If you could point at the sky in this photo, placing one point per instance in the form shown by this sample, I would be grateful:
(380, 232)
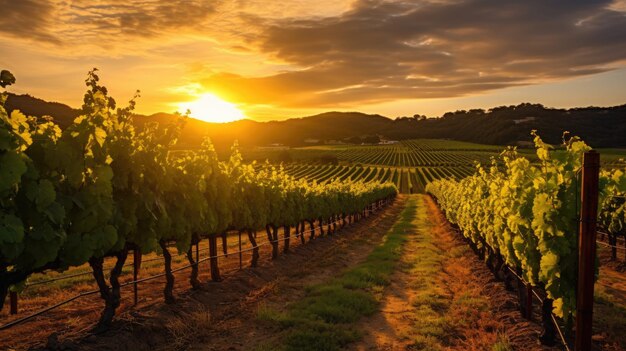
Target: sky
(281, 59)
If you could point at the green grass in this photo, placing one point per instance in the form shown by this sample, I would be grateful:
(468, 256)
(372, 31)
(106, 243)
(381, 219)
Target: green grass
(324, 147)
(445, 144)
(324, 318)
(431, 327)
(609, 315)
(502, 344)
(438, 316)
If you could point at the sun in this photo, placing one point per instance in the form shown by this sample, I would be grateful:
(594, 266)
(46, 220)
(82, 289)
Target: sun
(210, 108)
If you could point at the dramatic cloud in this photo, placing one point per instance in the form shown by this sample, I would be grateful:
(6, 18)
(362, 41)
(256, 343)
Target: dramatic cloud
(383, 50)
(306, 55)
(27, 19)
(103, 27)
(141, 18)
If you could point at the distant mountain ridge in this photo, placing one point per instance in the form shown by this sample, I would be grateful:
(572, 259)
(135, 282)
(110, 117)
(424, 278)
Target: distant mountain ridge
(32, 106)
(504, 125)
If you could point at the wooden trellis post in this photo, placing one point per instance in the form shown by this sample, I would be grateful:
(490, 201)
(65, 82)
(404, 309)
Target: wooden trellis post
(240, 254)
(136, 267)
(587, 250)
(215, 272)
(13, 302)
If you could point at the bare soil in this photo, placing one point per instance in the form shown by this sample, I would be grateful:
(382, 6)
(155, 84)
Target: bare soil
(220, 315)
(476, 309)
(223, 315)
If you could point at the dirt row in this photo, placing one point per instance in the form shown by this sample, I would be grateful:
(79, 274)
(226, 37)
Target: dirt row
(222, 315)
(453, 302)
(473, 309)
(151, 324)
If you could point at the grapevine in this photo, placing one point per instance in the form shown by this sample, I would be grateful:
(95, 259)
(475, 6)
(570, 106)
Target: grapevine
(102, 187)
(528, 213)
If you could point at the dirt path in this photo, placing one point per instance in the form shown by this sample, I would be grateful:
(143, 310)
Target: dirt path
(609, 310)
(222, 315)
(443, 297)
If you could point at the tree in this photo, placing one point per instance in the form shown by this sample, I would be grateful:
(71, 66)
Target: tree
(6, 78)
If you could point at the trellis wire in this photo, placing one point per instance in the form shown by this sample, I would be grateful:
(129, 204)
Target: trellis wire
(93, 292)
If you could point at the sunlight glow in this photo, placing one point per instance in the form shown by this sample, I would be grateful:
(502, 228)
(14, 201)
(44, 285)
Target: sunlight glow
(210, 108)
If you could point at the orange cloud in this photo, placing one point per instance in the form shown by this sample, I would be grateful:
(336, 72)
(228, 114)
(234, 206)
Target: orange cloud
(307, 55)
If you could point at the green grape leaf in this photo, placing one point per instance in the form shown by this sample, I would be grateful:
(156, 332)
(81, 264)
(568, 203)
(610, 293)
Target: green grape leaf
(11, 229)
(13, 167)
(100, 135)
(55, 212)
(46, 194)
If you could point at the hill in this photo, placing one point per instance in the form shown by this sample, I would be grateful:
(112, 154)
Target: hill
(293, 132)
(510, 125)
(32, 106)
(504, 125)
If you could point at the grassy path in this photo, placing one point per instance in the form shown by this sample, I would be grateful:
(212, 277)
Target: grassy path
(325, 318)
(420, 289)
(225, 315)
(400, 280)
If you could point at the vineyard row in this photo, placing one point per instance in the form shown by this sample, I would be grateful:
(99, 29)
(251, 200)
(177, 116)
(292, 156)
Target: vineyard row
(101, 188)
(526, 216)
(407, 180)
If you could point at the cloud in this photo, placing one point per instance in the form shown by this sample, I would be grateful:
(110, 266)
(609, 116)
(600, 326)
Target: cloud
(142, 18)
(319, 54)
(103, 27)
(27, 19)
(382, 50)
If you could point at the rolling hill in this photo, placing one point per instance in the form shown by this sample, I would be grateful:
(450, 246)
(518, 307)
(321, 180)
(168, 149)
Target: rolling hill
(504, 125)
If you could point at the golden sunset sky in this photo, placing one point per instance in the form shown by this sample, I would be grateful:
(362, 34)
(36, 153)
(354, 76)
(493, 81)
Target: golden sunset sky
(281, 59)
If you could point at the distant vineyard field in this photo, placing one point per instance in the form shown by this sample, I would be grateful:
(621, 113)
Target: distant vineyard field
(407, 180)
(409, 164)
(416, 153)
(408, 153)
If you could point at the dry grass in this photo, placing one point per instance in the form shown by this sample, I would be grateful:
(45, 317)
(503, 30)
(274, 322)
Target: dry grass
(72, 320)
(325, 318)
(232, 302)
(187, 328)
(444, 298)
